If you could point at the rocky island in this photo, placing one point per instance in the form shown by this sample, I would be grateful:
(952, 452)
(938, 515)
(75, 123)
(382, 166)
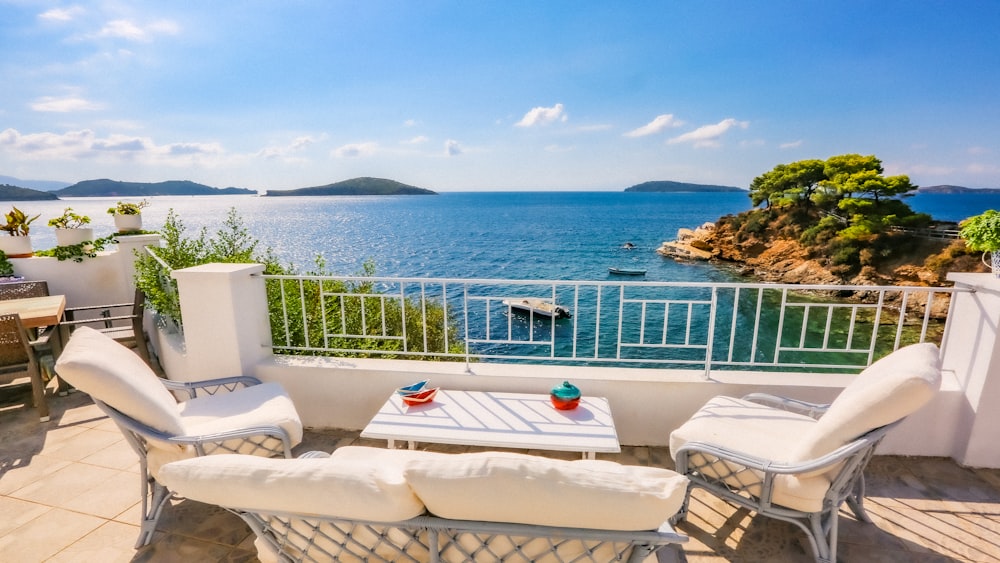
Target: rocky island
(810, 232)
(679, 187)
(355, 186)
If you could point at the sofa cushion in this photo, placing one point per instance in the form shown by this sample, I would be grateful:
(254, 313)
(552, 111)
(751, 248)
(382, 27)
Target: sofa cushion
(110, 372)
(511, 487)
(759, 431)
(346, 488)
(888, 390)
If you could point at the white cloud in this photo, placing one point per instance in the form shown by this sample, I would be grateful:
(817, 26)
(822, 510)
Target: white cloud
(708, 135)
(978, 150)
(660, 123)
(418, 140)
(410, 123)
(125, 29)
(542, 116)
(284, 152)
(558, 149)
(452, 148)
(86, 145)
(791, 145)
(61, 14)
(355, 150)
(63, 105)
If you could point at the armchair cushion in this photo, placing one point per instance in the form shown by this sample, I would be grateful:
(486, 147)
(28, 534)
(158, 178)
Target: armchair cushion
(759, 431)
(266, 403)
(101, 367)
(511, 487)
(888, 390)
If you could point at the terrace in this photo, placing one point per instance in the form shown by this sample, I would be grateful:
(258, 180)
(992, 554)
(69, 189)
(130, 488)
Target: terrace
(70, 484)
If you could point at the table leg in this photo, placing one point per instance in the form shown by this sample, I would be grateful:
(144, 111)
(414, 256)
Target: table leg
(392, 444)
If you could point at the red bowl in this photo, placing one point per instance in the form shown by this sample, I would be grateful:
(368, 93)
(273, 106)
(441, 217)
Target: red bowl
(564, 404)
(420, 398)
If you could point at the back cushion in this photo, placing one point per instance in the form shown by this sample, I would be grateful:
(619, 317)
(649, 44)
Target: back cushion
(889, 390)
(110, 372)
(346, 487)
(510, 487)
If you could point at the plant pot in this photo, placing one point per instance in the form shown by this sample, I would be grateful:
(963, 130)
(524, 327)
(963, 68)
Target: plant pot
(16, 247)
(128, 223)
(69, 237)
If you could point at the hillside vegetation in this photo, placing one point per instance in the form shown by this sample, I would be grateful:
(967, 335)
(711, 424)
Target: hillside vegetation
(356, 186)
(836, 221)
(671, 186)
(15, 193)
(114, 188)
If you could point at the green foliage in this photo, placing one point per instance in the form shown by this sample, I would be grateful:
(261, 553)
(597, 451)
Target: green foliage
(787, 184)
(6, 268)
(77, 252)
(317, 313)
(982, 232)
(128, 208)
(18, 224)
(69, 220)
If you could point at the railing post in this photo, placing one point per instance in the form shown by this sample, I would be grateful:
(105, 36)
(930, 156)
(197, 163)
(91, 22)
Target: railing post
(971, 349)
(226, 327)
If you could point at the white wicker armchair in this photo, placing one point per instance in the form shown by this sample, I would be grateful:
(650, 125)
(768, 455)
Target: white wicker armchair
(797, 461)
(229, 415)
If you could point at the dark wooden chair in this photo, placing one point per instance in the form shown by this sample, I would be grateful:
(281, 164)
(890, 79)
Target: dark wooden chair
(120, 321)
(18, 360)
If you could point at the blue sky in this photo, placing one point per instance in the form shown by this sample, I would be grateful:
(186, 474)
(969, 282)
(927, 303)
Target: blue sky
(478, 95)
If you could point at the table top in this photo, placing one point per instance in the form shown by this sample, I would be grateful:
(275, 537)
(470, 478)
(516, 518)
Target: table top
(505, 420)
(36, 311)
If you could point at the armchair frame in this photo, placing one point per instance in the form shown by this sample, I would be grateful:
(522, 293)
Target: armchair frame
(267, 439)
(848, 484)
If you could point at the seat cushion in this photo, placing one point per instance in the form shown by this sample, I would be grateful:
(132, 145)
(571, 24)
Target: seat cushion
(759, 431)
(511, 487)
(115, 375)
(888, 390)
(357, 488)
(264, 404)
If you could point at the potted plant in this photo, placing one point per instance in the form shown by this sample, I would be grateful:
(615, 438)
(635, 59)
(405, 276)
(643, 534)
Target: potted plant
(70, 228)
(982, 233)
(128, 215)
(18, 244)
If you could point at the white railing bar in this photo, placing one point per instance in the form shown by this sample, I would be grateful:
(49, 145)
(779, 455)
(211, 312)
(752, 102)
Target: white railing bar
(826, 329)
(732, 324)
(927, 315)
(850, 327)
(642, 323)
(576, 308)
(710, 343)
(423, 312)
(756, 324)
(878, 320)
(621, 318)
(666, 322)
(805, 324)
(781, 325)
(687, 329)
(902, 319)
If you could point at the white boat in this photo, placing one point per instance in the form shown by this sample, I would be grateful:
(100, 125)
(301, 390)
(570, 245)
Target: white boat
(626, 272)
(538, 307)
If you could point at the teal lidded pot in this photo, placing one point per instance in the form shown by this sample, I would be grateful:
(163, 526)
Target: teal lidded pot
(566, 396)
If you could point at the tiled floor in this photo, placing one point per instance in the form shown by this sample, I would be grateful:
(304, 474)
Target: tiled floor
(69, 492)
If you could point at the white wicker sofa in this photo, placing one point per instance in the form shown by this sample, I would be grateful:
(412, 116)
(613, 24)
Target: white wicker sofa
(372, 504)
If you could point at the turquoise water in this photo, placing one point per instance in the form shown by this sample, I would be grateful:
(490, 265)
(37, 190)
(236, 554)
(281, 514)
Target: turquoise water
(530, 235)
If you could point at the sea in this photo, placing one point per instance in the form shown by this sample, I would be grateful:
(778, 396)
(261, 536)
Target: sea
(468, 235)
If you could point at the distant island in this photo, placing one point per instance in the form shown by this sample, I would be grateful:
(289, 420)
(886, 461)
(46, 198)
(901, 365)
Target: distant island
(669, 186)
(946, 189)
(356, 186)
(113, 188)
(15, 193)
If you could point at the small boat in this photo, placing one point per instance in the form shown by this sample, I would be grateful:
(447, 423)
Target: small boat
(539, 307)
(626, 272)
(628, 246)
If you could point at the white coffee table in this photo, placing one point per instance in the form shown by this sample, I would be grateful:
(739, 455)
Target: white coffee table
(503, 420)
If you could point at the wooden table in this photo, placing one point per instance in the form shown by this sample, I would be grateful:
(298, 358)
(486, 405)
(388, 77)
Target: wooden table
(503, 420)
(36, 312)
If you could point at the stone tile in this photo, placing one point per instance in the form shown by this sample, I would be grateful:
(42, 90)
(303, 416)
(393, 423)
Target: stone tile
(44, 537)
(16, 513)
(112, 542)
(59, 487)
(108, 498)
(83, 444)
(17, 472)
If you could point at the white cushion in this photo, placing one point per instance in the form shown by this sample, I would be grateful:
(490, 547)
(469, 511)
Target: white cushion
(888, 390)
(759, 431)
(112, 373)
(511, 487)
(264, 404)
(346, 488)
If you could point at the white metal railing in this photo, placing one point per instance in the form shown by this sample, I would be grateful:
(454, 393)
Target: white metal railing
(641, 324)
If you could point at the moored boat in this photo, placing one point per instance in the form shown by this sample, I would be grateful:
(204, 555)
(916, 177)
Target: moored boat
(538, 307)
(626, 272)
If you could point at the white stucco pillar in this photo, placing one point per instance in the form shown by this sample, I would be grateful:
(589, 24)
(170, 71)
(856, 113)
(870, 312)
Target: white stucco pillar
(972, 351)
(128, 247)
(226, 330)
